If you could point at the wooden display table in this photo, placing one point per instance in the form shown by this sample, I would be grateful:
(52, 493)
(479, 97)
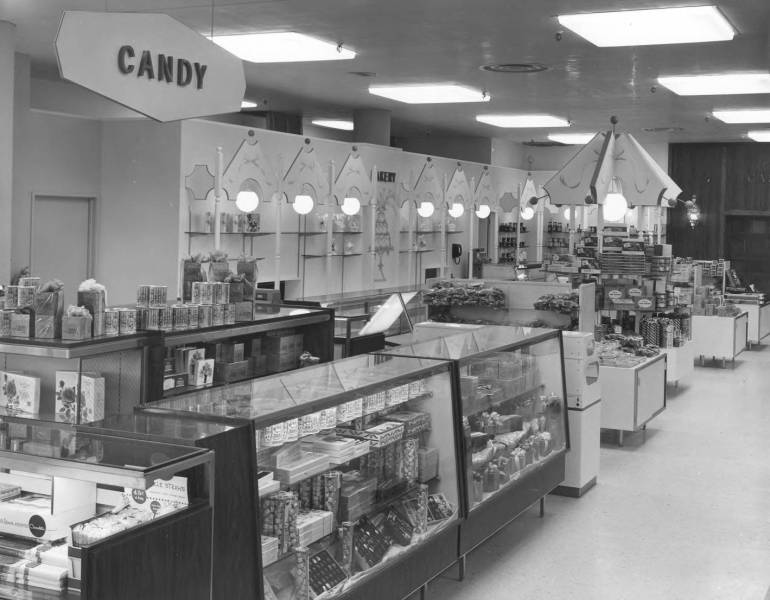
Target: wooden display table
(721, 338)
(681, 361)
(632, 396)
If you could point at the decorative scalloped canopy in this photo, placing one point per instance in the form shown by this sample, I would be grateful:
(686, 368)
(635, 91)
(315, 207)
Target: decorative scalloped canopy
(458, 189)
(486, 191)
(249, 164)
(306, 176)
(353, 175)
(428, 187)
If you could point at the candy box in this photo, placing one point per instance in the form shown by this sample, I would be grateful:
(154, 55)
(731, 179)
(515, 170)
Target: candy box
(111, 321)
(48, 328)
(91, 396)
(49, 303)
(19, 392)
(76, 328)
(5, 322)
(127, 321)
(244, 311)
(22, 325)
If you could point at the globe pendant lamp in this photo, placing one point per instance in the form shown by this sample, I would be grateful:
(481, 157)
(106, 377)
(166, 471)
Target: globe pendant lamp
(350, 206)
(425, 209)
(303, 204)
(615, 205)
(457, 210)
(483, 211)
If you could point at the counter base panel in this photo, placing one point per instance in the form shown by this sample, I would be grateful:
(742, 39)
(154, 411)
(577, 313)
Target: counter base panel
(573, 492)
(411, 572)
(488, 518)
(168, 561)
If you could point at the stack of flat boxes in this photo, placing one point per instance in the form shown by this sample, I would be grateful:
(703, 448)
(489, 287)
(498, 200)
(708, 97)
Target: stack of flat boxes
(282, 349)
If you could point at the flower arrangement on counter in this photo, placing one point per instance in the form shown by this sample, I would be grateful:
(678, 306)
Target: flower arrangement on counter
(451, 293)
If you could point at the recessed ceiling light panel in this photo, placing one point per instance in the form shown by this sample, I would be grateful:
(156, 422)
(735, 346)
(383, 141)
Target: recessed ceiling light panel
(760, 135)
(248, 104)
(718, 84)
(750, 115)
(523, 121)
(287, 46)
(681, 25)
(578, 139)
(440, 93)
(334, 124)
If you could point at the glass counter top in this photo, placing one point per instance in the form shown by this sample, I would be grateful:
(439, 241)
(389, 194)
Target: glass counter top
(307, 389)
(184, 429)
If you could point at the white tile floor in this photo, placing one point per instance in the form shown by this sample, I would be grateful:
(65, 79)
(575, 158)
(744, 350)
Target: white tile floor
(684, 514)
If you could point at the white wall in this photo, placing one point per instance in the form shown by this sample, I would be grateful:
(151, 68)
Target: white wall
(138, 215)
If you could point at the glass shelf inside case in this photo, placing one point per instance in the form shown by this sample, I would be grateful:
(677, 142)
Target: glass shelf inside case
(512, 398)
(357, 463)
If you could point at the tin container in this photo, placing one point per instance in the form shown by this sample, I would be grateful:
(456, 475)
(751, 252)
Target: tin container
(192, 315)
(229, 310)
(127, 318)
(158, 295)
(143, 295)
(165, 318)
(111, 321)
(218, 315)
(180, 317)
(205, 315)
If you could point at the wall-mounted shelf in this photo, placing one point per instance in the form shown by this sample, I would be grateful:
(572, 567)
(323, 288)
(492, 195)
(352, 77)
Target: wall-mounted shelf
(417, 251)
(332, 254)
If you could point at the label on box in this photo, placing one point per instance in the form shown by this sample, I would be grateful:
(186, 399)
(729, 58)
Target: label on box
(310, 424)
(164, 496)
(634, 292)
(614, 294)
(350, 410)
(645, 303)
(274, 435)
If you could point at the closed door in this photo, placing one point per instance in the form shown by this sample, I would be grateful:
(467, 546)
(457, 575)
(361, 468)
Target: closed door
(61, 241)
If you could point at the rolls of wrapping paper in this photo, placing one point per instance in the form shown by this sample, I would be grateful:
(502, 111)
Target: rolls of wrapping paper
(332, 482)
(302, 573)
(345, 558)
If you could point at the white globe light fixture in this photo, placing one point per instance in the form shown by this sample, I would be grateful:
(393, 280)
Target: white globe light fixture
(483, 211)
(527, 213)
(303, 204)
(351, 205)
(425, 209)
(566, 214)
(615, 204)
(457, 210)
(247, 201)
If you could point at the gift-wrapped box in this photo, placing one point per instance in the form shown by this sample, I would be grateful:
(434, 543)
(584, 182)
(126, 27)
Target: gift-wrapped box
(249, 269)
(244, 311)
(19, 296)
(93, 300)
(30, 281)
(22, 325)
(47, 327)
(49, 303)
(218, 270)
(191, 272)
(5, 322)
(76, 328)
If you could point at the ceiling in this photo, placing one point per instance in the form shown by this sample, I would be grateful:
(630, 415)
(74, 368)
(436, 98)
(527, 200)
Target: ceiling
(410, 41)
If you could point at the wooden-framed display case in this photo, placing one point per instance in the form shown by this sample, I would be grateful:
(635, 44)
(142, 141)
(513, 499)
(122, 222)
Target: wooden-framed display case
(124, 519)
(514, 417)
(360, 492)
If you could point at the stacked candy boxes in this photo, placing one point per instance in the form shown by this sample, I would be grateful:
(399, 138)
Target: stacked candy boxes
(210, 307)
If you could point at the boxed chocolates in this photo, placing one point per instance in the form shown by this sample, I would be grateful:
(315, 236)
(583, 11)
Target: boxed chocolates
(22, 325)
(91, 396)
(76, 327)
(244, 311)
(19, 392)
(228, 372)
(203, 372)
(230, 351)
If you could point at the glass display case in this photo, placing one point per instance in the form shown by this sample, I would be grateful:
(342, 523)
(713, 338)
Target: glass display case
(358, 473)
(514, 418)
(79, 511)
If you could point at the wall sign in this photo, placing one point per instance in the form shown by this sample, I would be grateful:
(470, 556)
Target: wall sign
(150, 63)
(386, 176)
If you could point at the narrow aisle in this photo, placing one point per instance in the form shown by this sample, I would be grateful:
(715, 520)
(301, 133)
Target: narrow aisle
(683, 515)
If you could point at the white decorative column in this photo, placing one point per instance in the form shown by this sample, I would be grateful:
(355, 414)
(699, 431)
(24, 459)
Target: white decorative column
(7, 70)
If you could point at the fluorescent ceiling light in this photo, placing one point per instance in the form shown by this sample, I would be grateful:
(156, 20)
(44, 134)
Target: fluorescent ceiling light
(718, 84)
(286, 46)
(522, 120)
(248, 104)
(680, 25)
(749, 115)
(579, 139)
(334, 124)
(430, 93)
(760, 135)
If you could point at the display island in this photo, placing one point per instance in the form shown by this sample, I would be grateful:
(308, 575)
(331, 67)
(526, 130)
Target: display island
(357, 468)
(514, 418)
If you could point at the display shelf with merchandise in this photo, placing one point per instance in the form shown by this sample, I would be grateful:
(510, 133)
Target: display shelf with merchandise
(236, 543)
(514, 416)
(360, 473)
(240, 351)
(98, 502)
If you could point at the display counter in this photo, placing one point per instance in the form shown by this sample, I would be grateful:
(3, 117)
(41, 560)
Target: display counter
(236, 543)
(513, 413)
(358, 473)
(120, 519)
(721, 338)
(632, 396)
(759, 321)
(680, 362)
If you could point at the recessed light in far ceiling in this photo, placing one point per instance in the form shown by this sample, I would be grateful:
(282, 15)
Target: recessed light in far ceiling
(514, 68)
(679, 25)
(578, 139)
(248, 104)
(342, 124)
(429, 93)
(759, 135)
(663, 129)
(718, 84)
(287, 46)
(523, 121)
(748, 115)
